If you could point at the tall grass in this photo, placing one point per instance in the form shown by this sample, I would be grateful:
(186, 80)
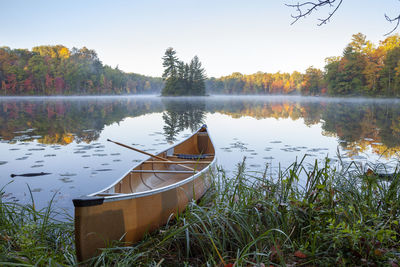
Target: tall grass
(326, 217)
(31, 237)
(337, 217)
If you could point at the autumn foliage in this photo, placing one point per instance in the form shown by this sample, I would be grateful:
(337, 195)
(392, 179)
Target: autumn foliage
(363, 69)
(56, 70)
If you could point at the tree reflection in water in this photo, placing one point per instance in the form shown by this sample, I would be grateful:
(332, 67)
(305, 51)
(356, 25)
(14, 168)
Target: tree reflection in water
(181, 114)
(61, 121)
(358, 125)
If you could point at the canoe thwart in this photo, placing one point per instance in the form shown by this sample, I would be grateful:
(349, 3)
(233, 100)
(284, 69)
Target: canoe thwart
(87, 201)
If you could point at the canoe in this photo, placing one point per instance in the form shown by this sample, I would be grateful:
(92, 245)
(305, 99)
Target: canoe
(146, 197)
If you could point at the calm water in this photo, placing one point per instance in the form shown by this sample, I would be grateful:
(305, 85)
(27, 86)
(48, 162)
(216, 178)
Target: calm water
(66, 137)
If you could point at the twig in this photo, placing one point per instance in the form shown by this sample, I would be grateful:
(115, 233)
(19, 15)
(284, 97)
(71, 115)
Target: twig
(306, 8)
(397, 19)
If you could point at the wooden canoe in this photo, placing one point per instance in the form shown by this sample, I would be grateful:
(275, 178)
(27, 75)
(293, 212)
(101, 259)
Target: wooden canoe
(146, 197)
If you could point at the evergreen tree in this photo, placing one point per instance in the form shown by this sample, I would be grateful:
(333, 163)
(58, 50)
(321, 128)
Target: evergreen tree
(198, 77)
(181, 82)
(170, 75)
(182, 78)
(170, 62)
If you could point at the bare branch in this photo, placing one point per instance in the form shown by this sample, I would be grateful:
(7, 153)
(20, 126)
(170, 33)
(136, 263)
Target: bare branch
(396, 19)
(306, 8)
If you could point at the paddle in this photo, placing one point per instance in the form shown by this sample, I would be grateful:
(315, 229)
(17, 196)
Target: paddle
(148, 154)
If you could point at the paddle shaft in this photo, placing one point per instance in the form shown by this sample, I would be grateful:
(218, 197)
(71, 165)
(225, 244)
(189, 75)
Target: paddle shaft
(148, 154)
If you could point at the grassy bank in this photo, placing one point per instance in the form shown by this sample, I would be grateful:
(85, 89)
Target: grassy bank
(339, 217)
(34, 237)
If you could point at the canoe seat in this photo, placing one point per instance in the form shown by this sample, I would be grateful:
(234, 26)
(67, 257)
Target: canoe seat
(194, 156)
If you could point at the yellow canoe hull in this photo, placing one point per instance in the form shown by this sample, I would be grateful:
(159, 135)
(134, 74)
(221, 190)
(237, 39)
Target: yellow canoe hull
(145, 198)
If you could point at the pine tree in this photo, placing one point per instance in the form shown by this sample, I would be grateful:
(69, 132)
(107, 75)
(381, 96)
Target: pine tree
(198, 77)
(170, 75)
(170, 63)
(182, 78)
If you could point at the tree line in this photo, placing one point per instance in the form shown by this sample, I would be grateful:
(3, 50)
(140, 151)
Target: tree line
(363, 69)
(182, 78)
(57, 70)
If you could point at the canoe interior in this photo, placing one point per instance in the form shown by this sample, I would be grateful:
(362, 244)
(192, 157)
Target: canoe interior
(111, 215)
(154, 173)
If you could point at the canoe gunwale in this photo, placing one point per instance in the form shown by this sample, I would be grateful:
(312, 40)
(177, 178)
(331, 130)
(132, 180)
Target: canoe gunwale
(156, 191)
(124, 196)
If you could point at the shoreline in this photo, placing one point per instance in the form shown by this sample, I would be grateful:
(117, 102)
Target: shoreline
(238, 96)
(337, 218)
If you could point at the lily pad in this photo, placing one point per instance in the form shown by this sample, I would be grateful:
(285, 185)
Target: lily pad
(37, 166)
(67, 174)
(36, 190)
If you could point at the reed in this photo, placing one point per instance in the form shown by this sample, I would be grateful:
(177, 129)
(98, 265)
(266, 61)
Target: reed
(306, 216)
(31, 237)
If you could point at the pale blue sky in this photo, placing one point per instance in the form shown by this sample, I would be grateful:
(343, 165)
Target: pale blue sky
(227, 35)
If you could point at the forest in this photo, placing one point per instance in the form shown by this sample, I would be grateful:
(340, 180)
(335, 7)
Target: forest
(363, 69)
(57, 70)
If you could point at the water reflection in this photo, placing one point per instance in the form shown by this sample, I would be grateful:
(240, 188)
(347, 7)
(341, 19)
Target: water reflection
(67, 137)
(181, 114)
(357, 124)
(61, 121)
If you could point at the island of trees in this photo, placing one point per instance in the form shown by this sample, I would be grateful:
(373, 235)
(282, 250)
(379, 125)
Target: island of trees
(182, 78)
(364, 69)
(56, 70)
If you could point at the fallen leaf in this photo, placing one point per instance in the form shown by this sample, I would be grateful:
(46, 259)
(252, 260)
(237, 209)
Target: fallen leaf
(300, 254)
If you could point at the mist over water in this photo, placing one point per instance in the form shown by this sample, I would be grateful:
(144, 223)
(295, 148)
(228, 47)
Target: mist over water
(66, 136)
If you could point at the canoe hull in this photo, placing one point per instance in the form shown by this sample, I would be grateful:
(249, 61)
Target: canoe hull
(129, 220)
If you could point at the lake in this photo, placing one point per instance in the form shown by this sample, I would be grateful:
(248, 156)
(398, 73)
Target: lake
(67, 136)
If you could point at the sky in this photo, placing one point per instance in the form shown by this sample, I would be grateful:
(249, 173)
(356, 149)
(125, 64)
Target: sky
(227, 35)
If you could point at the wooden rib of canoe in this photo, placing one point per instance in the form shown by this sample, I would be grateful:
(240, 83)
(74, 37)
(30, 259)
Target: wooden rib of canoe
(146, 197)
